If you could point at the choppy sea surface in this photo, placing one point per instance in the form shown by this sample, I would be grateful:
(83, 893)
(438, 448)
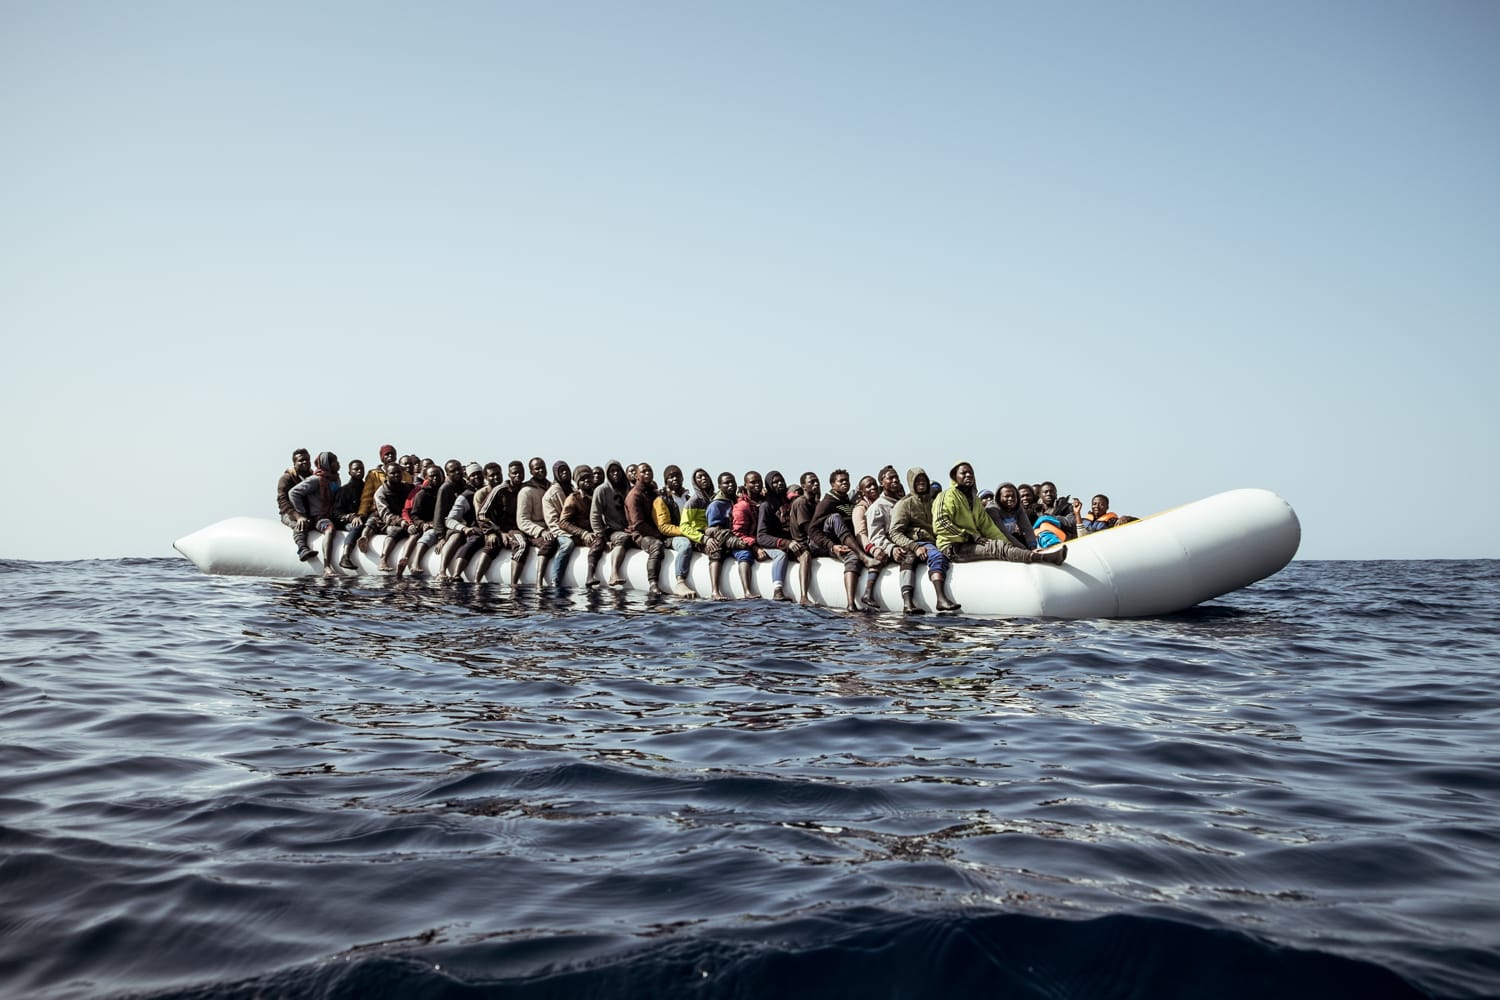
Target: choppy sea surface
(227, 787)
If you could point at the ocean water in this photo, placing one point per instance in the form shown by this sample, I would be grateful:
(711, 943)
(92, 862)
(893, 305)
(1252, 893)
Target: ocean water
(226, 787)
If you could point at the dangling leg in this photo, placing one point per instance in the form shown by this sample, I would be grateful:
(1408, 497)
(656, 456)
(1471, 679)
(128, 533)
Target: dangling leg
(653, 566)
(870, 581)
(615, 563)
(851, 584)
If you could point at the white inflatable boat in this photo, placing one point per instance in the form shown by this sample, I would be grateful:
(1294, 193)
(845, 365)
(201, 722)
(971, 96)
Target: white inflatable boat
(1159, 564)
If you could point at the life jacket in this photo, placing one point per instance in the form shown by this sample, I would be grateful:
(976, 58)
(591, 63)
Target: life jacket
(1049, 532)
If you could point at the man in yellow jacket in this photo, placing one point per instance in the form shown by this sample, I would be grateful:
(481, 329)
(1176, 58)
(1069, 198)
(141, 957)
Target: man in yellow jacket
(966, 533)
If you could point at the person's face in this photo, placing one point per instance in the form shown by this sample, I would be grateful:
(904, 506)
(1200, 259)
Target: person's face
(537, 468)
(1098, 506)
(891, 483)
(920, 483)
(333, 464)
(643, 473)
(754, 486)
(586, 480)
(1026, 496)
(964, 475)
(674, 480)
(776, 484)
(515, 472)
(302, 462)
(1009, 497)
(432, 474)
(1049, 494)
(357, 469)
(810, 484)
(702, 481)
(617, 477)
(476, 478)
(492, 477)
(409, 465)
(839, 483)
(868, 488)
(630, 473)
(565, 475)
(727, 484)
(387, 457)
(393, 470)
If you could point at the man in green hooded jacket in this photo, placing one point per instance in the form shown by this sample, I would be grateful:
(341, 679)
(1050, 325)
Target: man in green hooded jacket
(966, 532)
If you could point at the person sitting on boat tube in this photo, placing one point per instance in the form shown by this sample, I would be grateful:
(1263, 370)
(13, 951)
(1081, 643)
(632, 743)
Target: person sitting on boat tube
(372, 483)
(667, 511)
(831, 533)
(911, 529)
(421, 504)
(390, 500)
(966, 533)
(718, 534)
(878, 523)
(495, 503)
(312, 500)
(552, 504)
(774, 536)
(346, 511)
(573, 522)
(800, 511)
(435, 528)
(640, 521)
(1099, 517)
(1049, 504)
(299, 470)
(532, 520)
(464, 534)
(608, 517)
(1011, 516)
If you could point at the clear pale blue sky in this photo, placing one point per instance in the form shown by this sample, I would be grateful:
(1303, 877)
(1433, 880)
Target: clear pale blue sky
(1158, 250)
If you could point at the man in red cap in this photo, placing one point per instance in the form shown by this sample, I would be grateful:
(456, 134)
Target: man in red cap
(372, 483)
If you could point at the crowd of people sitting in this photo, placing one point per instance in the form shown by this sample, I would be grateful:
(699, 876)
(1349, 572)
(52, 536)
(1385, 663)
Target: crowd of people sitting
(469, 512)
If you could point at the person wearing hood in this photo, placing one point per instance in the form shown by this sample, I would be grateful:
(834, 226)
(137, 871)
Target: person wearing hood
(667, 510)
(495, 507)
(532, 520)
(911, 530)
(607, 517)
(385, 519)
(1011, 516)
(552, 504)
(312, 502)
(640, 521)
(573, 522)
(695, 509)
(965, 531)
